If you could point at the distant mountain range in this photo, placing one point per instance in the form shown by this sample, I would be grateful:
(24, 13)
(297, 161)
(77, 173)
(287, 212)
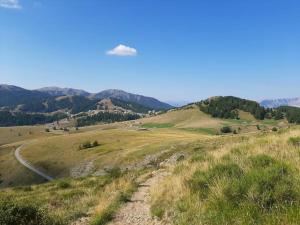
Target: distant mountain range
(57, 91)
(50, 99)
(274, 103)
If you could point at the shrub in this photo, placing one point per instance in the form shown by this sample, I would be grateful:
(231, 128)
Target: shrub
(95, 144)
(85, 145)
(274, 129)
(88, 144)
(12, 213)
(115, 172)
(226, 129)
(63, 184)
(47, 130)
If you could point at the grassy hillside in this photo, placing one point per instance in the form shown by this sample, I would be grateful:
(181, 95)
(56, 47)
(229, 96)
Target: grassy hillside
(64, 201)
(241, 180)
(192, 119)
(12, 173)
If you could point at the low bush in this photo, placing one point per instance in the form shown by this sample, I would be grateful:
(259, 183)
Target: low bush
(114, 172)
(88, 144)
(226, 129)
(12, 213)
(63, 184)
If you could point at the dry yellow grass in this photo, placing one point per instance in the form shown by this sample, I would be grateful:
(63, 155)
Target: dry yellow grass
(12, 173)
(190, 117)
(21, 133)
(173, 194)
(57, 155)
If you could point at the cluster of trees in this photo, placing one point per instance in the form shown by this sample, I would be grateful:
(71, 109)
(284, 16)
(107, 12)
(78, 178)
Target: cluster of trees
(8, 118)
(227, 107)
(135, 107)
(292, 114)
(74, 104)
(105, 117)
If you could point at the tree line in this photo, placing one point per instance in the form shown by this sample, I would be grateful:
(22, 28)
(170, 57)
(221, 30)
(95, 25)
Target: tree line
(105, 117)
(8, 118)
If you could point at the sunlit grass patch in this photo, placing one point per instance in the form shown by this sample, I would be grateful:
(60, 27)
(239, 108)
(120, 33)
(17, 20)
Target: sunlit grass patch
(157, 125)
(266, 192)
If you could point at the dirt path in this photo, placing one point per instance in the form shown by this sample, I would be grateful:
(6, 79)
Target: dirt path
(137, 210)
(30, 167)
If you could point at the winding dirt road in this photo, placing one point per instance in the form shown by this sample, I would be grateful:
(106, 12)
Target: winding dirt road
(30, 167)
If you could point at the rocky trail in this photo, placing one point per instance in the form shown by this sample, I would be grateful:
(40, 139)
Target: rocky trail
(137, 210)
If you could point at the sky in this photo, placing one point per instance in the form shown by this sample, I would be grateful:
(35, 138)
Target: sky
(174, 50)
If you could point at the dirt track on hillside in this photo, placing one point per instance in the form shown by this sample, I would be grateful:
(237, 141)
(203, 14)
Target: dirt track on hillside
(137, 210)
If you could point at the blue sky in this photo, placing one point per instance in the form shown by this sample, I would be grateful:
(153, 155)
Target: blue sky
(179, 50)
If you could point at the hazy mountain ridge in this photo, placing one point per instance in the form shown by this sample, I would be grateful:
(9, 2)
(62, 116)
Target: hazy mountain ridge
(110, 93)
(57, 91)
(274, 103)
(52, 99)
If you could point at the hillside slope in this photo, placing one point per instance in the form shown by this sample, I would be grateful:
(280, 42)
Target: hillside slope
(139, 99)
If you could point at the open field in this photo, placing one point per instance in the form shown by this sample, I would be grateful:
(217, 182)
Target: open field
(21, 133)
(58, 155)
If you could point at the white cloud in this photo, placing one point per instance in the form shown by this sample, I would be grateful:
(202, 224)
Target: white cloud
(122, 50)
(10, 4)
